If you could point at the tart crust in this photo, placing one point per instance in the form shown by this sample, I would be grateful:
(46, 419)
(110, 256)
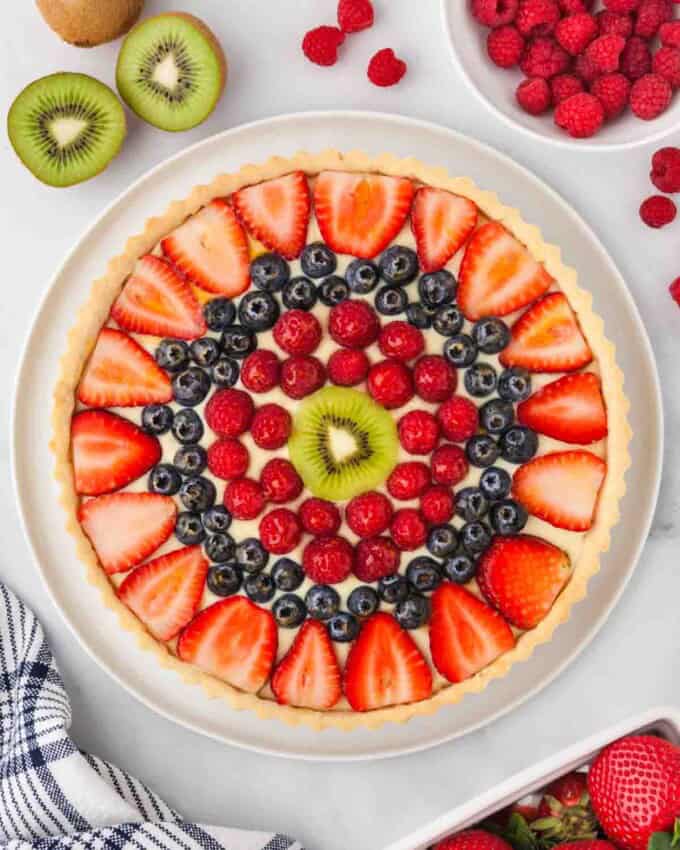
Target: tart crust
(94, 314)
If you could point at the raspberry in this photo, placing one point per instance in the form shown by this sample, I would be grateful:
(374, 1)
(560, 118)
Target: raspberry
(260, 371)
(563, 86)
(328, 560)
(348, 367)
(302, 375)
(458, 418)
(585, 69)
(390, 383)
(669, 33)
(244, 498)
(665, 173)
(544, 58)
(650, 96)
(229, 412)
(605, 52)
(369, 514)
(674, 290)
(581, 115)
(280, 481)
(494, 13)
(271, 427)
(408, 480)
(320, 45)
(611, 23)
(575, 32)
(319, 517)
(658, 211)
(435, 379)
(353, 324)
(612, 90)
(533, 95)
(636, 58)
(385, 69)
(376, 558)
(418, 432)
(297, 332)
(280, 531)
(505, 46)
(401, 341)
(228, 459)
(666, 63)
(449, 465)
(408, 528)
(537, 17)
(623, 7)
(437, 505)
(355, 15)
(650, 15)
(574, 7)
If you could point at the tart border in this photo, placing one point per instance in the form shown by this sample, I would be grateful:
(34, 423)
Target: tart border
(94, 313)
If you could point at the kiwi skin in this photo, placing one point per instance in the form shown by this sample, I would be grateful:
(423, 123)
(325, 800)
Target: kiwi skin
(88, 23)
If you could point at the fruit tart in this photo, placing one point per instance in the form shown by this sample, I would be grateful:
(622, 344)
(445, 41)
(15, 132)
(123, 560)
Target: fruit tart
(340, 438)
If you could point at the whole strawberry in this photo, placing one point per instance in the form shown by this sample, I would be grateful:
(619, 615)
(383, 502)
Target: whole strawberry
(565, 814)
(473, 839)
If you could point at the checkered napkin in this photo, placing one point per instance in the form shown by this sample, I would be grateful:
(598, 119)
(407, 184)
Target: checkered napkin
(53, 796)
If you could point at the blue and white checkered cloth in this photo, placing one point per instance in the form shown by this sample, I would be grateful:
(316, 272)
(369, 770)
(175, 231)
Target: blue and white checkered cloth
(53, 796)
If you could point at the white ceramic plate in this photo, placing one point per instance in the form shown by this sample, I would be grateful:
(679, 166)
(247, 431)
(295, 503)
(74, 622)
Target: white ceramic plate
(97, 628)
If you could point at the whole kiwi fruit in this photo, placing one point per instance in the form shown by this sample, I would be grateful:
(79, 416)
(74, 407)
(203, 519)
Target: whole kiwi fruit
(87, 23)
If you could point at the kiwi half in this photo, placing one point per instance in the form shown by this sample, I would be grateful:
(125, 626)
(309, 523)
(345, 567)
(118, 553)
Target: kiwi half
(342, 443)
(66, 128)
(171, 71)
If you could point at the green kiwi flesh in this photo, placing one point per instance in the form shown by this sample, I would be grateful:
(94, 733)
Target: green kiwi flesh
(342, 443)
(66, 128)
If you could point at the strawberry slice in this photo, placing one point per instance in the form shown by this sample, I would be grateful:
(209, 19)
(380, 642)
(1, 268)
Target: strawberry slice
(465, 634)
(498, 275)
(120, 373)
(360, 214)
(234, 640)
(385, 667)
(561, 488)
(156, 300)
(570, 409)
(441, 223)
(276, 212)
(126, 528)
(165, 593)
(211, 250)
(547, 338)
(309, 675)
(522, 576)
(109, 452)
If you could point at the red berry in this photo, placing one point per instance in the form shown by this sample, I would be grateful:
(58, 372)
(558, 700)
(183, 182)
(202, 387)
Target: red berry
(302, 375)
(623, 7)
(674, 290)
(611, 23)
(385, 69)
(408, 529)
(449, 465)
(229, 412)
(636, 58)
(390, 383)
(665, 173)
(355, 15)
(376, 558)
(534, 95)
(605, 52)
(271, 427)
(228, 459)
(575, 32)
(563, 86)
(657, 211)
(612, 90)
(319, 517)
(494, 13)
(408, 480)
(574, 7)
(418, 432)
(280, 481)
(585, 69)
(369, 514)
(651, 14)
(458, 418)
(320, 45)
(537, 17)
(328, 560)
(353, 324)
(348, 367)
(666, 63)
(650, 96)
(544, 58)
(581, 115)
(297, 332)
(401, 341)
(505, 46)
(260, 371)
(280, 531)
(244, 498)
(435, 379)
(669, 33)
(437, 505)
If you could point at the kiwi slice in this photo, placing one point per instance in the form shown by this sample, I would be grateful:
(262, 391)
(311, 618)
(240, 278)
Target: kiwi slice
(66, 128)
(342, 443)
(171, 71)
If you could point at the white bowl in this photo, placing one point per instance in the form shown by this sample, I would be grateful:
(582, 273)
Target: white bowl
(496, 88)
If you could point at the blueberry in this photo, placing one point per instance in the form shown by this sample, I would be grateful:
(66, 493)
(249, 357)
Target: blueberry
(482, 450)
(191, 386)
(287, 574)
(399, 265)
(189, 528)
(507, 517)
(205, 351)
(289, 611)
(197, 493)
(437, 289)
(412, 612)
(172, 355)
(442, 540)
(251, 555)
(475, 537)
(343, 627)
(157, 418)
(216, 520)
(514, 384)
(460, 350)
(496, 415)
(460, 568)
(219, 547)
(390, 300)
(219, 313)
(423, 573)
(419, 316)
(164, 479)
(259, 587)
(333, 290)
(471, 504)
(322, 601)
(480, 379)
(518, 444)
(495, 483)
(187, 427)
(448, 320)
(299, 294)
(393, 589)
(491, 335)
(363, 601)
(258, 311)
(238, 342)
(269, 272)
(224, 372)
(225, 579)
(317, 260)
(362, 276)
(191, 460)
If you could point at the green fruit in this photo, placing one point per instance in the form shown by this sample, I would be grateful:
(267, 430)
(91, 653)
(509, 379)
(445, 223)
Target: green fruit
(342, 443)
(171, 71)
(66, 128)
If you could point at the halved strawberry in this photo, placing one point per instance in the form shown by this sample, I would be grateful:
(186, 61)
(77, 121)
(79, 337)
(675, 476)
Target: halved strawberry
(569, 409)
(441, 222)
(465, 634)
(156, 300)
(165, 593)
(234, 640)
(360, 214)
(561, 488)
(309, 675)
(211, 250)
(109, 452)
(522, 576)
(126, 528)
(498, 275)
(276, 212)
(385, 667)
(547, 338)
(120, 373)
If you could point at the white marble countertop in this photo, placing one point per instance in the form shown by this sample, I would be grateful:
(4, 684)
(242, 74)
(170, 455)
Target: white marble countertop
(631, 665)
